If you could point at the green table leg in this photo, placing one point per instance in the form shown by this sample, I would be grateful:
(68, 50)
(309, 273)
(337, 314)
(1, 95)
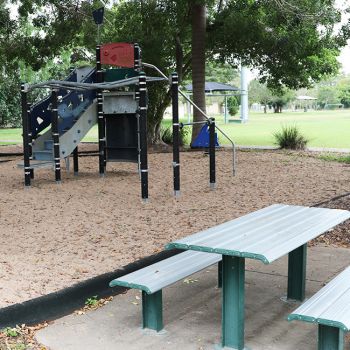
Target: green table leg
(233, 302)
(330, 338)
(152, 311)
(297, 273)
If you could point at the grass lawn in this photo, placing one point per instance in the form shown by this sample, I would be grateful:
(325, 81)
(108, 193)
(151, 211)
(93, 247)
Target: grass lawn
(323, 128)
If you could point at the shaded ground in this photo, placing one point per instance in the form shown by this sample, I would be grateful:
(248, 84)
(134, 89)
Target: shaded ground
(53, 236)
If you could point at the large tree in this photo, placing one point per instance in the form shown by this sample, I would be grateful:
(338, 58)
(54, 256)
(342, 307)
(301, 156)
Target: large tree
(199, 25)
(292, 44)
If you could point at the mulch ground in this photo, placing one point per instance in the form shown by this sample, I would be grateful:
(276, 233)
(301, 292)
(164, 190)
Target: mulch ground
(54, 236)
(340, 235)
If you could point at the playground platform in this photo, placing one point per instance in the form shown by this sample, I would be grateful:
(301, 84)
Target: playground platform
(192, 312)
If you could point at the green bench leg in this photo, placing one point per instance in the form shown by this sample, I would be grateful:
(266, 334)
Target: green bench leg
(220, 274)
(233, 302)
(152, 311)
(330, 338)
(297, 273)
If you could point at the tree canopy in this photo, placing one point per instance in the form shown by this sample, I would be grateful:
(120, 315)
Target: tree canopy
(292, 44)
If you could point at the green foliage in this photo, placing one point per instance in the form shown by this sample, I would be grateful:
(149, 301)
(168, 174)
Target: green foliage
(232, 105)
(290, 137)
(259, 93)
(293, 46)
(280, 98)
(10, 102)
(335, 158)
(93, 301)
(284, 43)
(221, 73)
(167, 135)
(277, 99)
(11, 332)
(344, 96)
(327, 95)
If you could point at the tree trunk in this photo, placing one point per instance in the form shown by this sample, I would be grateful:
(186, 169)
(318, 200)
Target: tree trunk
(198, 63)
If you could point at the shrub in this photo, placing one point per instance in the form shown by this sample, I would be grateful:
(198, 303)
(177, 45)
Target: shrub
(166, 135)
(232, 105)
(290, 137)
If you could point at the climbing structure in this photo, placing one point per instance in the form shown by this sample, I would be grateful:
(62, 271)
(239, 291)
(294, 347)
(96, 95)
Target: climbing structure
(114, 98)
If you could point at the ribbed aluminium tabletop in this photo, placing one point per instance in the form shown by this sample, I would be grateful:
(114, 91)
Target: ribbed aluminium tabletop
(266, 234)
(330, 306)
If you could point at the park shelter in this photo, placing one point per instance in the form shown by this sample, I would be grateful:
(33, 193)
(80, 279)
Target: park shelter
(217, 89)
(305, 102)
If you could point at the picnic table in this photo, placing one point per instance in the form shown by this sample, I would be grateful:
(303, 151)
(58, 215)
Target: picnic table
(265, 235)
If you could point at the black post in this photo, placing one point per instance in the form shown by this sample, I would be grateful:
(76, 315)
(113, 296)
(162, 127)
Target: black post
(143, 136)
(212, 181)
(55, 136)
(76, 161)
(25, 128)
(137, 57)
(176, 132)
(100, 116)
(30, 139)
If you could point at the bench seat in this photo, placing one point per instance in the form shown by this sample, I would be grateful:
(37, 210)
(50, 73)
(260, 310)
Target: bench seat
(152, 279)
(330, 309)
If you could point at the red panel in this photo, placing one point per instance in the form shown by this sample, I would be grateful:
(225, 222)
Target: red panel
(118, 54)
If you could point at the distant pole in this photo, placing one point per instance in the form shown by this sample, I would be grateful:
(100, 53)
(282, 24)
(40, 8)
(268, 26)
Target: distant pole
(244, 94)
(225, 111)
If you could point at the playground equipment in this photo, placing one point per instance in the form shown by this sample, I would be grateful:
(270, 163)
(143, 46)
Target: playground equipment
(89, 96)
(210, 122)
(115, 99)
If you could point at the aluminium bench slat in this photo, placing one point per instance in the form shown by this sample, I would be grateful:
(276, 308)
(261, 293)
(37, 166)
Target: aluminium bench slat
(330, 306)
(266, 234)
(166, 272)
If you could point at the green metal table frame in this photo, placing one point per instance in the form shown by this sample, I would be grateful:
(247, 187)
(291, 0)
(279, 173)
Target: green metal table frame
(152, 306)
(233, 293)
(330, 338)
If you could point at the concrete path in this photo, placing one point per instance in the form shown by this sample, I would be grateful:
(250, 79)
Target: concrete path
(192, 313)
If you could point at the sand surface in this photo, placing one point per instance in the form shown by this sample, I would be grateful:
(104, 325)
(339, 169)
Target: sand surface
(52, 236)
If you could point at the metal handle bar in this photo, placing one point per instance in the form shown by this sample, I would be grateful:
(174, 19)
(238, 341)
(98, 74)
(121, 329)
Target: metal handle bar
(200, 110)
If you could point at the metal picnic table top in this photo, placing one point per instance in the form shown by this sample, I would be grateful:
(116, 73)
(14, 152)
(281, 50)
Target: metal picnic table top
(266, 234)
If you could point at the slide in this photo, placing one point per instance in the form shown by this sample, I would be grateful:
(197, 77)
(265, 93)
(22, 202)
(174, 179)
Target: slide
(77, 115)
